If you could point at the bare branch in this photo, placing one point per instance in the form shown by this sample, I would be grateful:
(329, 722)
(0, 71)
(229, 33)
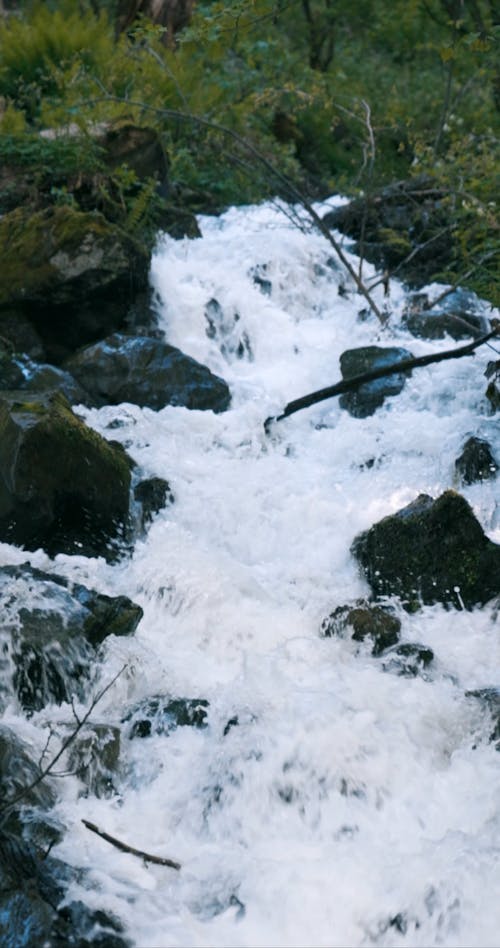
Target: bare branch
(48, 770)
(348, 385)
(125, 848)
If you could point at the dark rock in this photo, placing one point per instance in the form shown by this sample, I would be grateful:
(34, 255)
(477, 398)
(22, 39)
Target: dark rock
(18, 331)
(178, 222)
(153, 494)
(393, 221)
(79, 504)
(455, 316)
(364, 621)
(21, 374)
(18, 771)
(94, 758)
(430, 551)
(51, 630)
(408, 659)
(493, 390)
(489, 698)
(160, 715)
(476, 462)
(370, 396)
(146, 372)
(73, 274)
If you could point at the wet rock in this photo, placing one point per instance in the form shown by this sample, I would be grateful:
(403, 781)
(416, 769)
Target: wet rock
(223, 327)
(94, 758)
(430, 551)
(146, 372)
(364, 621)
(51, 629)
(408, 659)
(457, 316)
(493, 389)
(72, 274)
(79, 504)
(22, 374)
(476, 462)
(161, 715)
(370, 396)
(178, 222)
(393, 221)
(18, 771)
(153, 494)
(20, 334)
(489, 698)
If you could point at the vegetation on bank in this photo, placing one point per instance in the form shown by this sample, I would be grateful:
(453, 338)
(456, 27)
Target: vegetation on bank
(336, 96)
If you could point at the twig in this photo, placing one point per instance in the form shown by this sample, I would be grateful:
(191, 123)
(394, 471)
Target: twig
(8, 804)
(125, 848)
(347, 385)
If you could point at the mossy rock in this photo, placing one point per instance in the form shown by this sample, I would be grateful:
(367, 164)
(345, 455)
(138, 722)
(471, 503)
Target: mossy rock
(72, 274)
(364, 620)
(431, 551)
(62, 486)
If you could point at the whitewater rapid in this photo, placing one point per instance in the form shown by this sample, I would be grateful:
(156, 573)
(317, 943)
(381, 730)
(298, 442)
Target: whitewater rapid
(328, 802)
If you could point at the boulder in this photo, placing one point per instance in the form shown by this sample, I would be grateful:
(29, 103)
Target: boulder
(153, 494)
(391, 222)
(458, 315)
(431, 551)
(51, 630)
(162, 715)
(476, 462)
(62, 486)
(370, 396)
(361, 621)
(147, 372)
(72, 274)
(21, 373)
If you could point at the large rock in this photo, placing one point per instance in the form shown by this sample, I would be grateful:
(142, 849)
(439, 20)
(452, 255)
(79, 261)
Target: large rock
(370, 396)
(62, 486)
(146, 372)
(458, 315)
(391, 222)
(431, 551)
(51, 629)
(72, 274)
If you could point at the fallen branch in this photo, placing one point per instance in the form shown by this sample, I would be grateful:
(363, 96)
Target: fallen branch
(125, 848)
(348, 385)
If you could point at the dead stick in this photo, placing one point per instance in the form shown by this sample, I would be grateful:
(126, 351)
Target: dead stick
(348, 385)
(125, 848)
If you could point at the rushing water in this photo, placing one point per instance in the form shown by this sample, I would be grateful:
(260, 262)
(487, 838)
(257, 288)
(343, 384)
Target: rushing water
(328, 802)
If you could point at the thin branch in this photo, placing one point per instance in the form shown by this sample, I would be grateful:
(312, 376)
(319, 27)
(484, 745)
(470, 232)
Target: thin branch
(285, 182)
(487, 256)
(8, 804)
(125, 848)
(348, 385)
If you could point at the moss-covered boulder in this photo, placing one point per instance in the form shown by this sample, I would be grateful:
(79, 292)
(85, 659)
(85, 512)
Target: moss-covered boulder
(50, 631)
(431, 551)
(62, 486)
(364, 621)
(147, 372)
(72, 274)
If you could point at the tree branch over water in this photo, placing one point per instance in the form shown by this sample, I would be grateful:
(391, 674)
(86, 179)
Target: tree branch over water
(349, 385)
(125, 848)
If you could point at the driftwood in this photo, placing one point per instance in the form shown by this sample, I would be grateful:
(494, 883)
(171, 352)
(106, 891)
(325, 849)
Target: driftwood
(349, 385)
(125, 848)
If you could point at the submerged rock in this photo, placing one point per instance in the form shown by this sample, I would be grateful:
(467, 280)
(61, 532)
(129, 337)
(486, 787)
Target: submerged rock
(408, 659)
(146, 372)
(62, 486)
(476, 462)
(160, 715)
(94, 758)
(51, 630)
(493, 389)
(370, 396)
(363, 620)
(489, 699)
(431, 551)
